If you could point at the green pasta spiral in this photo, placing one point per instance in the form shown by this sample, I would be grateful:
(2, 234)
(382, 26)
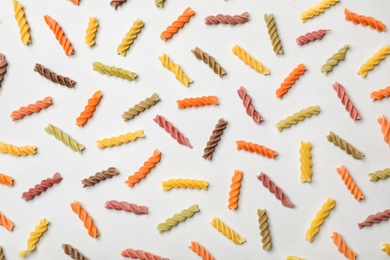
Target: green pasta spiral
(177, 218)
(335, 59)
(64, 138)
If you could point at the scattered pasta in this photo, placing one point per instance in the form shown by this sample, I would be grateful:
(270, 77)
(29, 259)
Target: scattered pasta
(375, 219)
(349, 106)
(176, 25)
(114, 71)
(17, 150)
(344, 145)
(31, 108)
(235, 188)
(364, 20)
(53, 77)
(378, 175)
(227, 19)
(249, 60)
(177, 218)
(227, 231)
(6, 223)
(386, 248)
(139, 254)
(41, 187)
(249, 107)
(125, 206)
(350, 183)
(256, 148)
(273, 188)
(64, 138)
(374, 60)
(290, 80)
(20, 17)
(319, 219)
(380, 94)
(99, 176)
(120, 139)
(140, 107)
(264, 229)
(6, 180)
(298, 116)
(86, 218)
(306, 163)
(59, 34)
(116, 3)
(159, 3)
(311, 36)
(128, 40)
(90, 33)
(200, 251)
(385, 127)
(342, 247)
(169, 128)
(93, 102)
(3, 67)
(200, 55)
(214, 139)
(184, 184)
(273, 33)
(317, 9)
(197, 102)
(335, 59)
(73, 252)
(179, 74)
(32, 241)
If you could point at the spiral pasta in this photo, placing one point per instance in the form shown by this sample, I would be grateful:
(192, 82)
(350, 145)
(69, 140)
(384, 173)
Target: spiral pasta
(140, 107)
(200, 55)
(249, 60)
(159, 3)
(235, 190)
(99, 176)
(176, 25)
(350, 183)
(342, 247)
(177, 218)
(385, 127)
(197, 102)
(17, 150)
(319, 219)
(73, 252)
(172, 130)
(114, 71)
(364, 20)
(76, 2)
(184, 184)
(6, 223)
(145, 169)
(227, 19)
(53, 77)
(291, 257)
(256, 148)
(379, 174)
(20, 17)
(31, 108)
(3, 67)
(6, 180)
(41, 187)
(60, 36)
(317, 9)
(311, 37)
(296, 117)
(349, 106)
(374, 60)
(140, 254)
(179, 74)
(273, 33)
(214, 139)
(290, 80)
(120, 139)
(90, 33)
(116, 3)
(2, 257)
(375, 219)
(64, 138)
(32, 241)
(334, 60)
(344, 145)
(306, 163)
(200, 251)
(264, 229)
(386, 248)
(82, 119)
(380, 94)
(249, 107)
(273, 188)
(227, 231)
(125, 206)
(86, 218)
(128, 40)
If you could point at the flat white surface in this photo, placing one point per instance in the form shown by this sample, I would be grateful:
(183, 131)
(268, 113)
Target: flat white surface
(120, 230)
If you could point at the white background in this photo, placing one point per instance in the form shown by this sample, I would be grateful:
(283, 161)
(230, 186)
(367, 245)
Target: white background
(120, 230)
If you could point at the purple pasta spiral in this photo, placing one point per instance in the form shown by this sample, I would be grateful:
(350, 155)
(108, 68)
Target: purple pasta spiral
(311, 36)
(250, 109)
(375, 219)
(279, 194)
(169, 128)
(43, 186)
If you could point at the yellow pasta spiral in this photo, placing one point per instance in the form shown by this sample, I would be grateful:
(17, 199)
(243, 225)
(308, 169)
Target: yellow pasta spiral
(386, 248)
(306, 163)
(184, 184)
(121, 139)
(374, 60)
(34, 237)
(249, 60)
(299, 116)
(17, 151)
(114, 71)
(317, 9)
(130, 37)
(20, 17)
(319, 219)
(90, 33)
(227, 231)
(179, 74)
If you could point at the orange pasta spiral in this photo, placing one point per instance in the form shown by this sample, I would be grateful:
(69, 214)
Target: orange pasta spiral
(200, 251)
(31, 108)
(89, 109)
(290, 80)
(83, 215)
(380, 94)
(176, 25)
(60, 36)
(5, 222)
(342, 247)
(235, 190)
(385, 127)
(197, 102)
(364, 20)
(255, 148)
(350, 183)
(6, 180)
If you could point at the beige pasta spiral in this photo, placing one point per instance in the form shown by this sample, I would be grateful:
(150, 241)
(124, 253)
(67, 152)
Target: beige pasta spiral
(299, 116)
(273, 33)
(264, 229)
(114, 71)
(344, 145)
(140, 107)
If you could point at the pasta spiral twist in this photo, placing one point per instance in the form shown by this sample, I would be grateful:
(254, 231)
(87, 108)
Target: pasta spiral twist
(64, 138)
(273, 188)
(41, 187)
(200, 55)
(306, 163)
(350, 183)
(197, 102)
(3, 67)
(179, 74)
(53, 77)
(299, 116)
(227, 19)
(6, 180)
(82, 119)
(145, 169)
(159, 3)
(2, 257)
(319, 219)
(386, 248)
(385, 127)
(249, 107)
(311, 37)
(31, 108)
(317, 9)
(172, 130)
(125, 206)
(249, 60)
(380, 174)
(100, 176)
(177, 218)
(214, 139)
(116, 3)
(227, 231)
(342, 247)
(364, 20)
(60, 36)
(134, 30)
(334, 60)
(290, 80)
(255, 148)
(264, 229)
(86, 218)
(273, 33)
(114, 71)
(349, 106)
(119, 140)
(140, 107)
(6, 223)
(374, 60)
(176, 25)
(20, 17)
(90, 33)
(291, 257)
(375, 218)
(32, 241)
(17, 150)
(73, 252)
(235, 190)
(139, 254)
(380, 94)
(184, 184)
(344, 145)
(201, 251)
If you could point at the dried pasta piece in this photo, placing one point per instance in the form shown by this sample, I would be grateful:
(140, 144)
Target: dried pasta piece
(273, 188)
(32, 241)
(379, 174)
(176, 25)
(140, 254)
(86, 218)
(349, 106)
(319, 219)
(125, 206)
(31, 108)
(145, 169)
(175, 68)
(159, 3)
(89, 109)
(169, 128)
(227, 19)
(73, 252)
(100, 176)
(227, 231)
(2, 257)
(386, 248)
(380, 94)
(41, 187)
(291, 257)
(385, 127)
(299, 116)
(364, 20)
(128, 40)
(76, 2)
(273, 33)
(120, 139)
(3, 67)
(140, 107)
(350, 183)
(374, 60)
(375, 219)
(264, 229)
(290, 80)
(249, 60)
(334, 60)
(311, 36)
(17, 150)
(249, 107)
(6, 223)
(59, 34)
(200, 251)
(64, 138)
(235, 188)
(20, 17)
(306, 163)
(114, 71)
(116, 3)
(200, 55)
(342, 247)
(6, 180)
(344, 145)
(90, 32)
(184, 184)
(177, 218)
(214, 139)
(256, 148)
(53, 77)
(317, 9)
(197, 102)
